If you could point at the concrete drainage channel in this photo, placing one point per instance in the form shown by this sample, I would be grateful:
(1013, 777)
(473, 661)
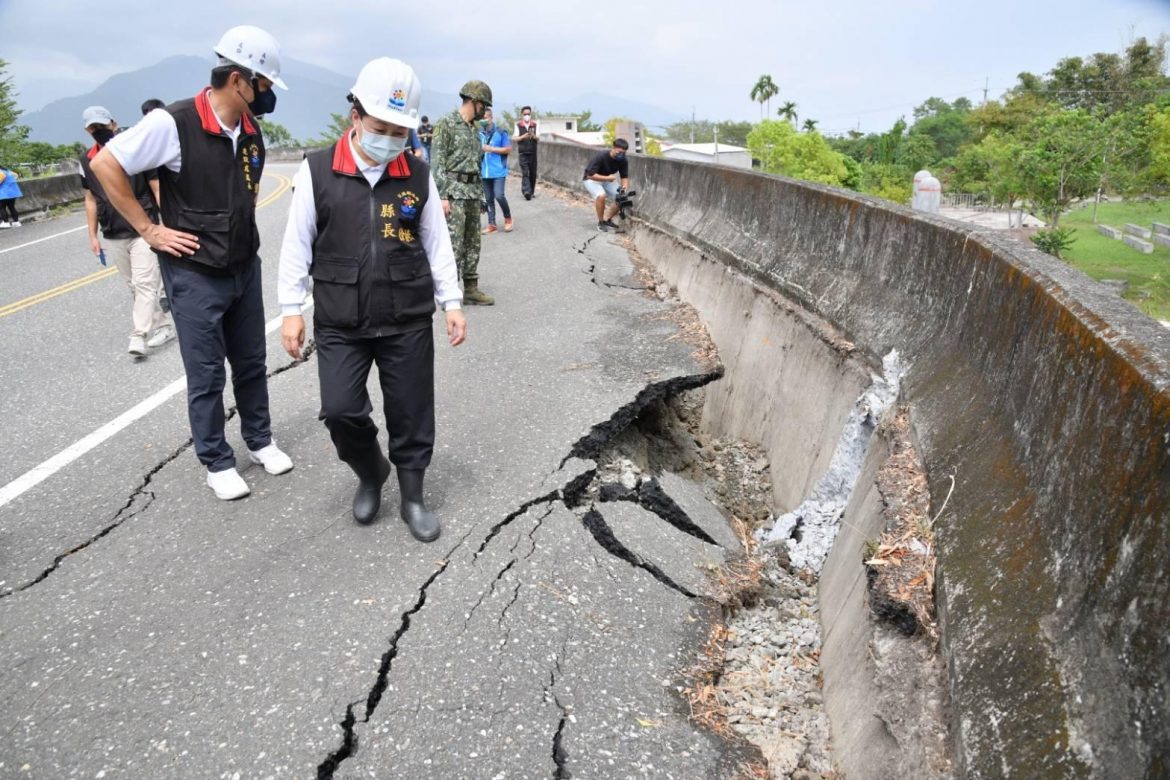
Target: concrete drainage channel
(800, 667)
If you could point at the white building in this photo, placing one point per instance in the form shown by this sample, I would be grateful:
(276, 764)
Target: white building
(555, 124)
(717, 154)
(580, 139)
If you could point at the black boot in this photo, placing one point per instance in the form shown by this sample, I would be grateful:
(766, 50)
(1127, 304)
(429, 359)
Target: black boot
(421, 521)
(372, 474)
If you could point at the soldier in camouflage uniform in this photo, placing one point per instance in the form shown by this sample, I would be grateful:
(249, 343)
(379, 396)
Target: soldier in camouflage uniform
(455, 155)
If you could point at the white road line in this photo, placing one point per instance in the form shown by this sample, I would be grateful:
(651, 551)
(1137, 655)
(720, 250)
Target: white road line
(39, 474)
(39, 240)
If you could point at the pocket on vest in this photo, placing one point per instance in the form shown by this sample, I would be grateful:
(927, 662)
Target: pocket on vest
(213, 229)
(413, 290)
(335, 291)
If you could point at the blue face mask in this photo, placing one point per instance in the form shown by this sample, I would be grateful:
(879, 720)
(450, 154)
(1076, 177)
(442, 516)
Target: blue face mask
(382, 148)
(620, 156)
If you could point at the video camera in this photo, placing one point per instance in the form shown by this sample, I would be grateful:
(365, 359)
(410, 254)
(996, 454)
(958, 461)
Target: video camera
(624, 201)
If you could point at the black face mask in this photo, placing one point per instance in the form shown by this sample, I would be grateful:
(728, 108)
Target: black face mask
(264, 102)
(102, 135)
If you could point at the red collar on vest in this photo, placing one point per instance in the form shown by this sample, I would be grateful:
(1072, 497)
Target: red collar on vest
(93, 152)
(343, 161)
(207, 116)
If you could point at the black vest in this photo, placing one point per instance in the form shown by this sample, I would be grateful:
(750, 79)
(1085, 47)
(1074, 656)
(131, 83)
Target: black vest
(527, 147)
(214, 193)
(370, 272)
(111, 221)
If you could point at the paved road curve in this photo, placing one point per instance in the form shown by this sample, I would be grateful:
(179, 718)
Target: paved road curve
(149, 630)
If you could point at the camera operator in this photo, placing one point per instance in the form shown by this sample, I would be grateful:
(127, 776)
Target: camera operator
(601, 179)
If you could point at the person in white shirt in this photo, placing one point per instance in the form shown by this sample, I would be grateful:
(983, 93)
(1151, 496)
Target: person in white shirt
(209, 154)
(366, 226)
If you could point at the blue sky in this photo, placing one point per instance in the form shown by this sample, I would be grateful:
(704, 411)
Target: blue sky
(846, 63)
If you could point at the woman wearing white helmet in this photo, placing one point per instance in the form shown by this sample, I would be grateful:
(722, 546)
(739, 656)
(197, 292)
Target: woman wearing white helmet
(366, 225)
(209, 153)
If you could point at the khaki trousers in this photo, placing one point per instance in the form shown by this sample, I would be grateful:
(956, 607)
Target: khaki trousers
(138, 265)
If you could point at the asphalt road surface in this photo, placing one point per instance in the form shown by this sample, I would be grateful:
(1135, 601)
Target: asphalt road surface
(149, 630)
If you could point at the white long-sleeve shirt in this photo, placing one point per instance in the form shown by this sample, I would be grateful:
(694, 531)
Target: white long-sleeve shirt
(296, 252)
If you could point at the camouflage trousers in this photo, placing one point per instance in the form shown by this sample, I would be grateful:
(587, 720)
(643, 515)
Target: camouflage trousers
(465, 239)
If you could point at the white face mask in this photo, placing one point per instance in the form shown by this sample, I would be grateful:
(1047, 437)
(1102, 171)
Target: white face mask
(382, 148)
(527, 117)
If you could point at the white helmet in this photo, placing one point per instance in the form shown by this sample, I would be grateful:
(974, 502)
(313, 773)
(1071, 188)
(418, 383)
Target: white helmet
(254, 49)
(389, 90)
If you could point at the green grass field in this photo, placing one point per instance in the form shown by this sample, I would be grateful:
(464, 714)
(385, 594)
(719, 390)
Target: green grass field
(1106, 258)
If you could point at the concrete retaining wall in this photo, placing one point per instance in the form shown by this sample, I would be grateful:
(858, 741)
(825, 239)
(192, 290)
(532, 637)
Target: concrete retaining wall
(1110, 232)
(1138, 244)
(1046, 398)
(1137, 230)
(48, 192)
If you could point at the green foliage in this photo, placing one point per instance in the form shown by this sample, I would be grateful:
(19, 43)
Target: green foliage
(888, 181)
(12, 135)
(853, 173)
(780, 149)
(277, 136)
(585, 123)
(703, 132)
(1060, 160)
(1054, 241)
(787, 112)
(339, 125)
(809, 126)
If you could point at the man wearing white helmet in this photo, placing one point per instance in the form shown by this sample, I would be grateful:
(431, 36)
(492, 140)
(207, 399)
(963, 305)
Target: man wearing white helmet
(366, 226)
(209, 153)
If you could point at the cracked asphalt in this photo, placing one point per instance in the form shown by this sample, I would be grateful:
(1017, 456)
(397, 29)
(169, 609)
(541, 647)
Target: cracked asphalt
(150, 630)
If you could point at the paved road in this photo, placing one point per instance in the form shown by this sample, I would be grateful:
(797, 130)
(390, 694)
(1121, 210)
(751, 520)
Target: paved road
(149, 630)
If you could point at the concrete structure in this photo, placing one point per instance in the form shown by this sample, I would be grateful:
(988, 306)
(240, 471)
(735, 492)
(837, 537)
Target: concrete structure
(1161, 239)
(1160, 229)
(555, 123)
(928, 196)
(1137, 230)
(716, 154)
(1142, 246)
(590, 139)
(48, 192)
(1110, 232)
(634, 133)
(1040, 403)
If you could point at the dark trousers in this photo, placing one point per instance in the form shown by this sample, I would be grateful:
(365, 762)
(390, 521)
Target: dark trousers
(406, 371)
(8, 210)
(218, 317)
(528, 174)
(493, 190)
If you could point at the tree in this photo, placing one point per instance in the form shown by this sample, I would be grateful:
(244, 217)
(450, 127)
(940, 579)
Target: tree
(1060, 161)
(12, 135)
(946, 124)
(810, 125)
(780, 149)
(787, 112)
(339, 125)
(763, 92)
(585, 123)
(277, 136)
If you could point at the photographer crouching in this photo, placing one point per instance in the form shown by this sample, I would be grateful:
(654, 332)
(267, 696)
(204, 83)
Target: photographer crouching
(601, 179)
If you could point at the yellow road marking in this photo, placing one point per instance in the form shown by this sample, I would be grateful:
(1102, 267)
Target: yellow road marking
(284, 184)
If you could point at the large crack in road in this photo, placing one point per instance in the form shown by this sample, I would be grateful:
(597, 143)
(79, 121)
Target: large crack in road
(141, 494)
(572, 495)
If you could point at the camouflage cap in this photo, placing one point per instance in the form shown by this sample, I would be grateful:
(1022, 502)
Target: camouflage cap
(477, 90)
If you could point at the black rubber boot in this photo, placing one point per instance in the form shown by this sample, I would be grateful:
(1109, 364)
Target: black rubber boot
(421, 521)
(372, 475)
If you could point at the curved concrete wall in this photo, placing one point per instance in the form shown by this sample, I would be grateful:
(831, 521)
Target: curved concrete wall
(50, 191)
(1048, 401)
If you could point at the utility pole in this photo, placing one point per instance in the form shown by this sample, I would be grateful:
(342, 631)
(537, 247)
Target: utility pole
(692, 125)
(985, 80)
(716, 128)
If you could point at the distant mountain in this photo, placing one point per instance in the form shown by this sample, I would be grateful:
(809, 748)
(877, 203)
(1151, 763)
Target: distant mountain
(314, 93)
(35, 94)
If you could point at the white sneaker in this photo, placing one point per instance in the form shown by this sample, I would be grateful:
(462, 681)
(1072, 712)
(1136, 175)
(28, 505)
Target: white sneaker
(137, 346)
(161, 336)
(227, 484)
(272, 459)
(4, 225)
(16, 223)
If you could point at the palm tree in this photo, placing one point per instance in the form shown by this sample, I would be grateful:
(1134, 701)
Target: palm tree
(787, 112)
(763, 92)
(810, 125)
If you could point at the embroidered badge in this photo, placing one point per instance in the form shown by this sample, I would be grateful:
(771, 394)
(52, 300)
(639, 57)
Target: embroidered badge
(387, 211)
(408, 206)
(397, 99)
